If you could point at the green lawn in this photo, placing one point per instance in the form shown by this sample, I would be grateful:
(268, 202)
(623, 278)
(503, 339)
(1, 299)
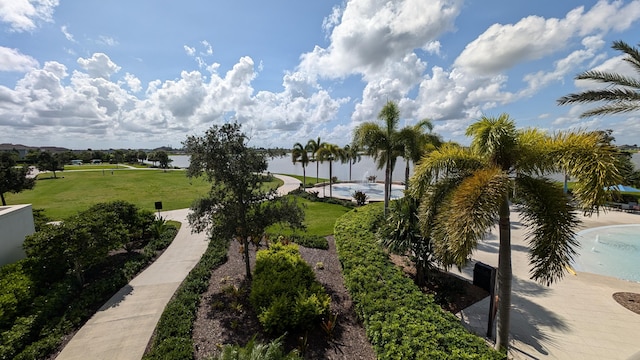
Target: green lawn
(75, 191)
(311, 180)
(320, 218)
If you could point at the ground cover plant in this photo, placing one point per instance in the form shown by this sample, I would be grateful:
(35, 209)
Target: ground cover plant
(401, 321)
(75, 191)
(55, 290)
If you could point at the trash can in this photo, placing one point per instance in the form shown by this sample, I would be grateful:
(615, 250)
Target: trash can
(483, 275)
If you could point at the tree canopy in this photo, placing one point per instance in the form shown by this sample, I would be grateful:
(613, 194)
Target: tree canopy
(235, 172)
(13, 179)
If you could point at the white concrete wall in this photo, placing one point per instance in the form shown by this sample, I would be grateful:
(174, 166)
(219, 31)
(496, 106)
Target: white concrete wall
(16, 222)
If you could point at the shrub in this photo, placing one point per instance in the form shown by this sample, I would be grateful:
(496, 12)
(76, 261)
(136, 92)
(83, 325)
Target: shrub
(257, 351)
(284, 292)
(360, 197)
(401, 321)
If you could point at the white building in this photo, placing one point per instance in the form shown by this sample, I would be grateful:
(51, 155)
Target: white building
(16, 222)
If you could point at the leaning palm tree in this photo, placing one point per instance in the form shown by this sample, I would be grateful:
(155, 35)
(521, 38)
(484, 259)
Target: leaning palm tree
(381, 142)
(465, 191)
(300, 154)
(330, 152)
(622, 94)
(313, 147)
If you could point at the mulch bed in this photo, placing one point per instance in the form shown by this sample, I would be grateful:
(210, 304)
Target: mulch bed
(630, 301)
(225, 315)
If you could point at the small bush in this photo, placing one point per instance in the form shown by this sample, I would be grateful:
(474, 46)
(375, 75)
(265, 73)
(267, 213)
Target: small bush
(255, 351)
(285, 293)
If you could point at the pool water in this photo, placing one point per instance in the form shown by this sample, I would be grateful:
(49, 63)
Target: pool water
(611, 251)
(374, 191)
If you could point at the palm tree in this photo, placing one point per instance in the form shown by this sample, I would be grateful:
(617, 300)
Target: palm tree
(622, 94)
(382, 143)
(330, 152)
(416, 143)
(352, 155)
(313, 146)
(464, 192)
(299, 152)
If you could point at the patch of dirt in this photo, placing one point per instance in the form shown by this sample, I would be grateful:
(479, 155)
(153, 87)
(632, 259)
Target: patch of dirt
(451, 292)
(630, 301)
(225, 315)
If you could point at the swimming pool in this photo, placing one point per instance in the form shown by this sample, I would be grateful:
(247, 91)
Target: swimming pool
(611, 251)
(374, 191)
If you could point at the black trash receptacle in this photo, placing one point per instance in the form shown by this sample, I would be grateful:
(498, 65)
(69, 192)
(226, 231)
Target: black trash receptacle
(482, 275)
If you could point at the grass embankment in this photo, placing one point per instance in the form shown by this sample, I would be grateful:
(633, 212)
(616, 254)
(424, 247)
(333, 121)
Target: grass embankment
(72, 192)
(311, 180)
(320, 217)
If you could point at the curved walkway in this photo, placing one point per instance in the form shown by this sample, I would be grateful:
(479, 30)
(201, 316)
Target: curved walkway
(122, 328)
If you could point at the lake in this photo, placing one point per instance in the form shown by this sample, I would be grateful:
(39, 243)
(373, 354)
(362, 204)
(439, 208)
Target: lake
(359, 171)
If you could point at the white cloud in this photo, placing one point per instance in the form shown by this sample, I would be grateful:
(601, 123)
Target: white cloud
(189, 50)
(371, 33)
(24, 15)
(99, 65)
(13, 60)
(66, 33)
(207, 47)
(501, 47)
(108, 40)
(133, 82)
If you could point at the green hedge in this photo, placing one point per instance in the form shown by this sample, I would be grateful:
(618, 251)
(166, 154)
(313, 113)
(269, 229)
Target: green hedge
(401, 321)
(172, 338)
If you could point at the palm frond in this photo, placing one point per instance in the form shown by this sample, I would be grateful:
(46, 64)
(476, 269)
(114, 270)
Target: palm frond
(470, 211)
(610, 78)
(450, 160)
(533, 154)
(633, 57)
(592, 161)
(494, 138)
(550, 219)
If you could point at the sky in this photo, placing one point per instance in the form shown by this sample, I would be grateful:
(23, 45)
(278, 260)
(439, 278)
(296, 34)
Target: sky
(143, 74)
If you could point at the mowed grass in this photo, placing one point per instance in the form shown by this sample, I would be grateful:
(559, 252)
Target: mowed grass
(320, 218)
(72, 192)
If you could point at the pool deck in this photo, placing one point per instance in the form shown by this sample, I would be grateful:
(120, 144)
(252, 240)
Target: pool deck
(575, 318)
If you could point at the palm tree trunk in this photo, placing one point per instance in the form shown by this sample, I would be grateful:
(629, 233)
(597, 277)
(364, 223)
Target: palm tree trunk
(330, 179)
(406, 176)
(304, 177)
(317, 169)
(350, 170)
(504, 278)
(387, 181)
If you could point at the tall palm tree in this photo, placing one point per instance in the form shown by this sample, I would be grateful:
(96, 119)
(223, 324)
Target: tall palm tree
(313, 146)
(352, 155)
(415, 143)
(299, 153)
(330, 152)
(381, 142)
(622, 93)
(464, 192)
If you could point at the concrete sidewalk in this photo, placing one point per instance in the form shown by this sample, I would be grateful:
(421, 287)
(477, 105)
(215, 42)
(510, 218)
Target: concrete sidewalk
(122, 328)
(575, 318)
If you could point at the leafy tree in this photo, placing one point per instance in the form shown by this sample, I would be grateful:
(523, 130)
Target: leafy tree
(464, 192)
(234, 170)
(401, 235)
(49, 162)
(117, 156)
(300, 153)
(314, 146)
(622, 93)
(84, 240)
(13, 179)
(382, 143)
(142, 156)
(330, 153)
(352, 155)
(163, 159)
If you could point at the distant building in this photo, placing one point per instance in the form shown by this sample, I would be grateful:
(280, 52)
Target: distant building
(16, 222)
(96, 161)
(76, 162)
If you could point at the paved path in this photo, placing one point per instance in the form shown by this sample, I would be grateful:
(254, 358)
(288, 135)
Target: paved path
(122, 328)
(576, 318)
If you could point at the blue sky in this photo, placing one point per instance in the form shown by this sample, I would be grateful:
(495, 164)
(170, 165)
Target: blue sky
(143, 74)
